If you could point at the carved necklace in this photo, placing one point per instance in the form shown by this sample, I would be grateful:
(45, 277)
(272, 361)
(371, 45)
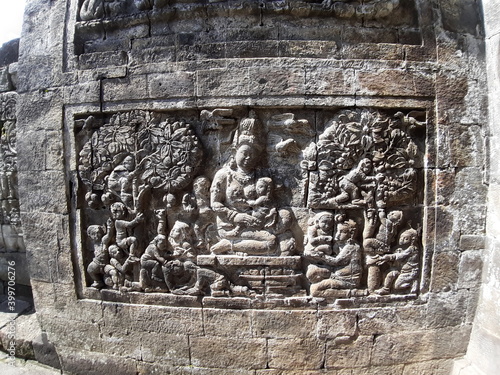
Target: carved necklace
(242, 177)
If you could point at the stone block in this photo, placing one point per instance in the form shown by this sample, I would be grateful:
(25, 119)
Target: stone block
(93, 363)
(349, 353)
(161, 320)
(130, 88)
(471, 242)
(388, 320)
(394, 83)
(47, 247)
(42, 110)
(228, 353)
(45, 351)
(461, 146)
(228, 323)
(365, 51)
(445, 271)
(318, 49)
(223, 82)
(327, 81)
(436, 367)
(37, 198)
(393, 349)
(472, 221)
(247, 49)
(276, 81)
(333, 324)
(88, 92)
(470, 269)
(39, 72)
(284, 324)
(5, 82)
(378, 370)
(307, 354)
(151, 55)
(101, 59)
(171, 85)
(446, 309)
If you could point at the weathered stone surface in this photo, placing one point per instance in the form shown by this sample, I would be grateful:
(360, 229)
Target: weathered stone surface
(233, 187)
(419, 346)
(228, 352)
(307, 354)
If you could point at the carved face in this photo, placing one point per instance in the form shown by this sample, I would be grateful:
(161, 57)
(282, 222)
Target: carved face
(245, 158)
(395, 216)
(343, 232)
(161, 242)
(262, 187)
(407, 238)
(365, 165)
(117, 211)
(95, 232)
(325, 223)
(129, 163)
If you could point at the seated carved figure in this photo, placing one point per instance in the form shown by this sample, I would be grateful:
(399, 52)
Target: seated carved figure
(341, 271)
(379, 243)
(245, 222)
(153, 258)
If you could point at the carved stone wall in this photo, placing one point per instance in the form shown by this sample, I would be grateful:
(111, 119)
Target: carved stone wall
(12, 246)
(253, 187)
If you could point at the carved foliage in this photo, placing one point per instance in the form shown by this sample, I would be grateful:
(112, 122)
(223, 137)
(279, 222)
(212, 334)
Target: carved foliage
(11, 238)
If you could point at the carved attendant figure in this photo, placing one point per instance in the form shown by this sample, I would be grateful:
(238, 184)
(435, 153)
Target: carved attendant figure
(381, 244)
(101, 256)
(151, 261)
(405, 259)
(346, 264)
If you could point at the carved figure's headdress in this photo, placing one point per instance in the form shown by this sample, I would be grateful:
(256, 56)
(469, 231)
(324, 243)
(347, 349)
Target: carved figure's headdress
(248, 132)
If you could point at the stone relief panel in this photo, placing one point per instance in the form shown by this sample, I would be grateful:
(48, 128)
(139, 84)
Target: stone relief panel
(171, 30)
(11, 237)
(370, 9)
(254, 203)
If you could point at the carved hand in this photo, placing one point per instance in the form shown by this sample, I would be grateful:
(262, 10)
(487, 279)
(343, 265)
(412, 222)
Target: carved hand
(245, 219)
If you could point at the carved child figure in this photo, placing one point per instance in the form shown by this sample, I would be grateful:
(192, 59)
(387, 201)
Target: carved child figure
(101, 256)
(261, 203)
(154, 257)
(405, 260)
(319, 240)
(125, 242)
(182, 240)
(120, 183)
